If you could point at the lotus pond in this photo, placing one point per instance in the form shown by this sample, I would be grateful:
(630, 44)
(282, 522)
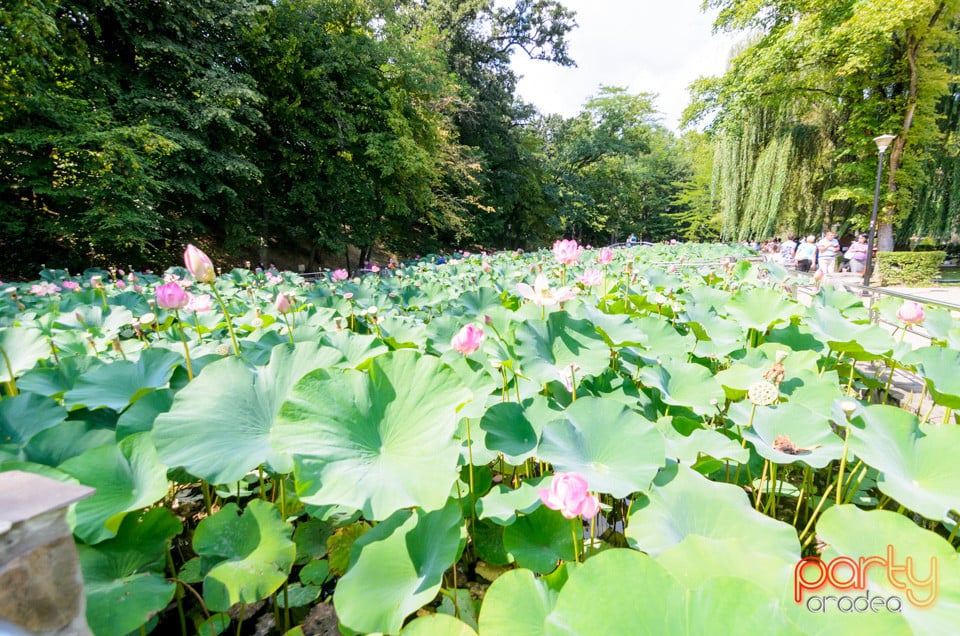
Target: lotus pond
(655, 440)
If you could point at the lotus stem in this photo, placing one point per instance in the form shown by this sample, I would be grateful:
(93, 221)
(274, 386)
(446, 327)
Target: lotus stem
(11, 383)
(178, 593)
(243, 610)
(205, 487)
(843, 463)
(813, 517)
(803, 491)
(577, 521)
(473, 503)
(226, 315)
(186, 347)
(851, 491)
(953, 533)
(763, 475)
(196, 322)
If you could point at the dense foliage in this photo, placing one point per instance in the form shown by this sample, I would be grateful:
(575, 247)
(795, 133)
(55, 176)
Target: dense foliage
(574, 442)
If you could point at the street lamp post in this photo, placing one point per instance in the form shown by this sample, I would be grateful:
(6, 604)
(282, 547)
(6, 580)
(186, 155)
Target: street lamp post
(883, 141)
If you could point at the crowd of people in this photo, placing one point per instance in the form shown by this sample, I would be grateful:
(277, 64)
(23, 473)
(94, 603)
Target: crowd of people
(807, 254)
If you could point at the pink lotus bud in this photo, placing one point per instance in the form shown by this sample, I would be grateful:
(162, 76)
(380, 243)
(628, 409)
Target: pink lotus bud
(375, 269)
(566, 252)
(568, 493)
(282, 303)
(911, 313)
(467, 339)
(340, 274)
(199, 265)
(171, 296)
(71, 285)
(605, 256)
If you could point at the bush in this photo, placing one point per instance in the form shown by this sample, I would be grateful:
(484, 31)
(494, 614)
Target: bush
(912, 269)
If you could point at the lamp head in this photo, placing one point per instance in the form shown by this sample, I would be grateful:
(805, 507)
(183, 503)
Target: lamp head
(883, 141)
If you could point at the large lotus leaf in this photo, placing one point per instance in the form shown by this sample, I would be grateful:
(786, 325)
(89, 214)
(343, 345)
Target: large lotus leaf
(356, 348)
(124, 577)
(140, 416)
(716, 337)
(541, 539)
(118, 384)
(502, 504)
(546, 349)
(127, 476)
(23, 416)
(93, 320)
(399, 563)
(661, 338)
(811, 390)
(57, 380)
(940, 368)
(918, 465)
(843, 335)
(514, 429)
(616, 449)
(20, 350)
(761, 307)
(70, 438)
(814, 442)
(706, 297)
(478, 301)
(687, 442)
(683, 502)
(480, 383)
(604, 597)
(438, 625)
(517, 603)
(618, 329)
(684, 384)
(842, 529)
(378, 440)
(219, 425)
(244, 557)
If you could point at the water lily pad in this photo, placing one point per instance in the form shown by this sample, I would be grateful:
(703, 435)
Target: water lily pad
(683, 503)
(547, 348)
(616, 449)
(220, 424)
(502, 504)
(517, 603)
(23, 416)
(918, 465)
(541, 539)
(400, 563)
(378, 440)
(124, 577)
(438, 625)
(118, 384)
(245, 557)
(790, 432)
(23, 348)
(127, 476)
(761, 308)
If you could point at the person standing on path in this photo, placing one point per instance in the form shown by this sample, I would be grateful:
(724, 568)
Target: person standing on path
(806, 254)
(857, 254)
(827, 250)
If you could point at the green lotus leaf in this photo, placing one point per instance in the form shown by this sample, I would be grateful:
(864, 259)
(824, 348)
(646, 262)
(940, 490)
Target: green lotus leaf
(621, 591)
(918, 464)
(761, 307)
(814, 392)
(466, 608)
(939, 368)
(684, 384)
(298, 595)
(400, 563)
(378, 440)
(686, 440)
(140, 416)
(220, 424)
(101, 324)
(20, 350)
(118, 384)
(502, 504)
(514, 429)
(618, 330)
(684, 503)
(541, 539)
(244, 557)
(23, 416)
(661, 338)
(356, 348)
(127, 476)
(480, 383)
(616, 449)
(716, 337)
(842, 335)
(813, 440)
(438, 625)
(841, 528)
(124, 577)
(517, 603)
(71, 438)
(55, 381)
(545, 349)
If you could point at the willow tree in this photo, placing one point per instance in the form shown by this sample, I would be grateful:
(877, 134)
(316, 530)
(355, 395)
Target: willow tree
(851, 69)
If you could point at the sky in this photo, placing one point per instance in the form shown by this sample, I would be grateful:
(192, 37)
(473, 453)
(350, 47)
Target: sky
(653, 46)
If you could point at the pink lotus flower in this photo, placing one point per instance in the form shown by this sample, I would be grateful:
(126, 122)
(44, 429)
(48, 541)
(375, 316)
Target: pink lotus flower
(171, 296)
(375, 269)
(605, 256)
(44, 289)
(911, 313)
(468, 339)
(591, 278)
(340, 274)
(566, 252)
(542, 295)
(282, 303)
(71, 285)
(120, 284)
(199, 265)
(568, 493)
(486, 266)
(198, 302)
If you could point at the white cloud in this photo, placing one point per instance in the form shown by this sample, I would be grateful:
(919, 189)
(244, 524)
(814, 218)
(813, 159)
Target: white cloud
(652, 46)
